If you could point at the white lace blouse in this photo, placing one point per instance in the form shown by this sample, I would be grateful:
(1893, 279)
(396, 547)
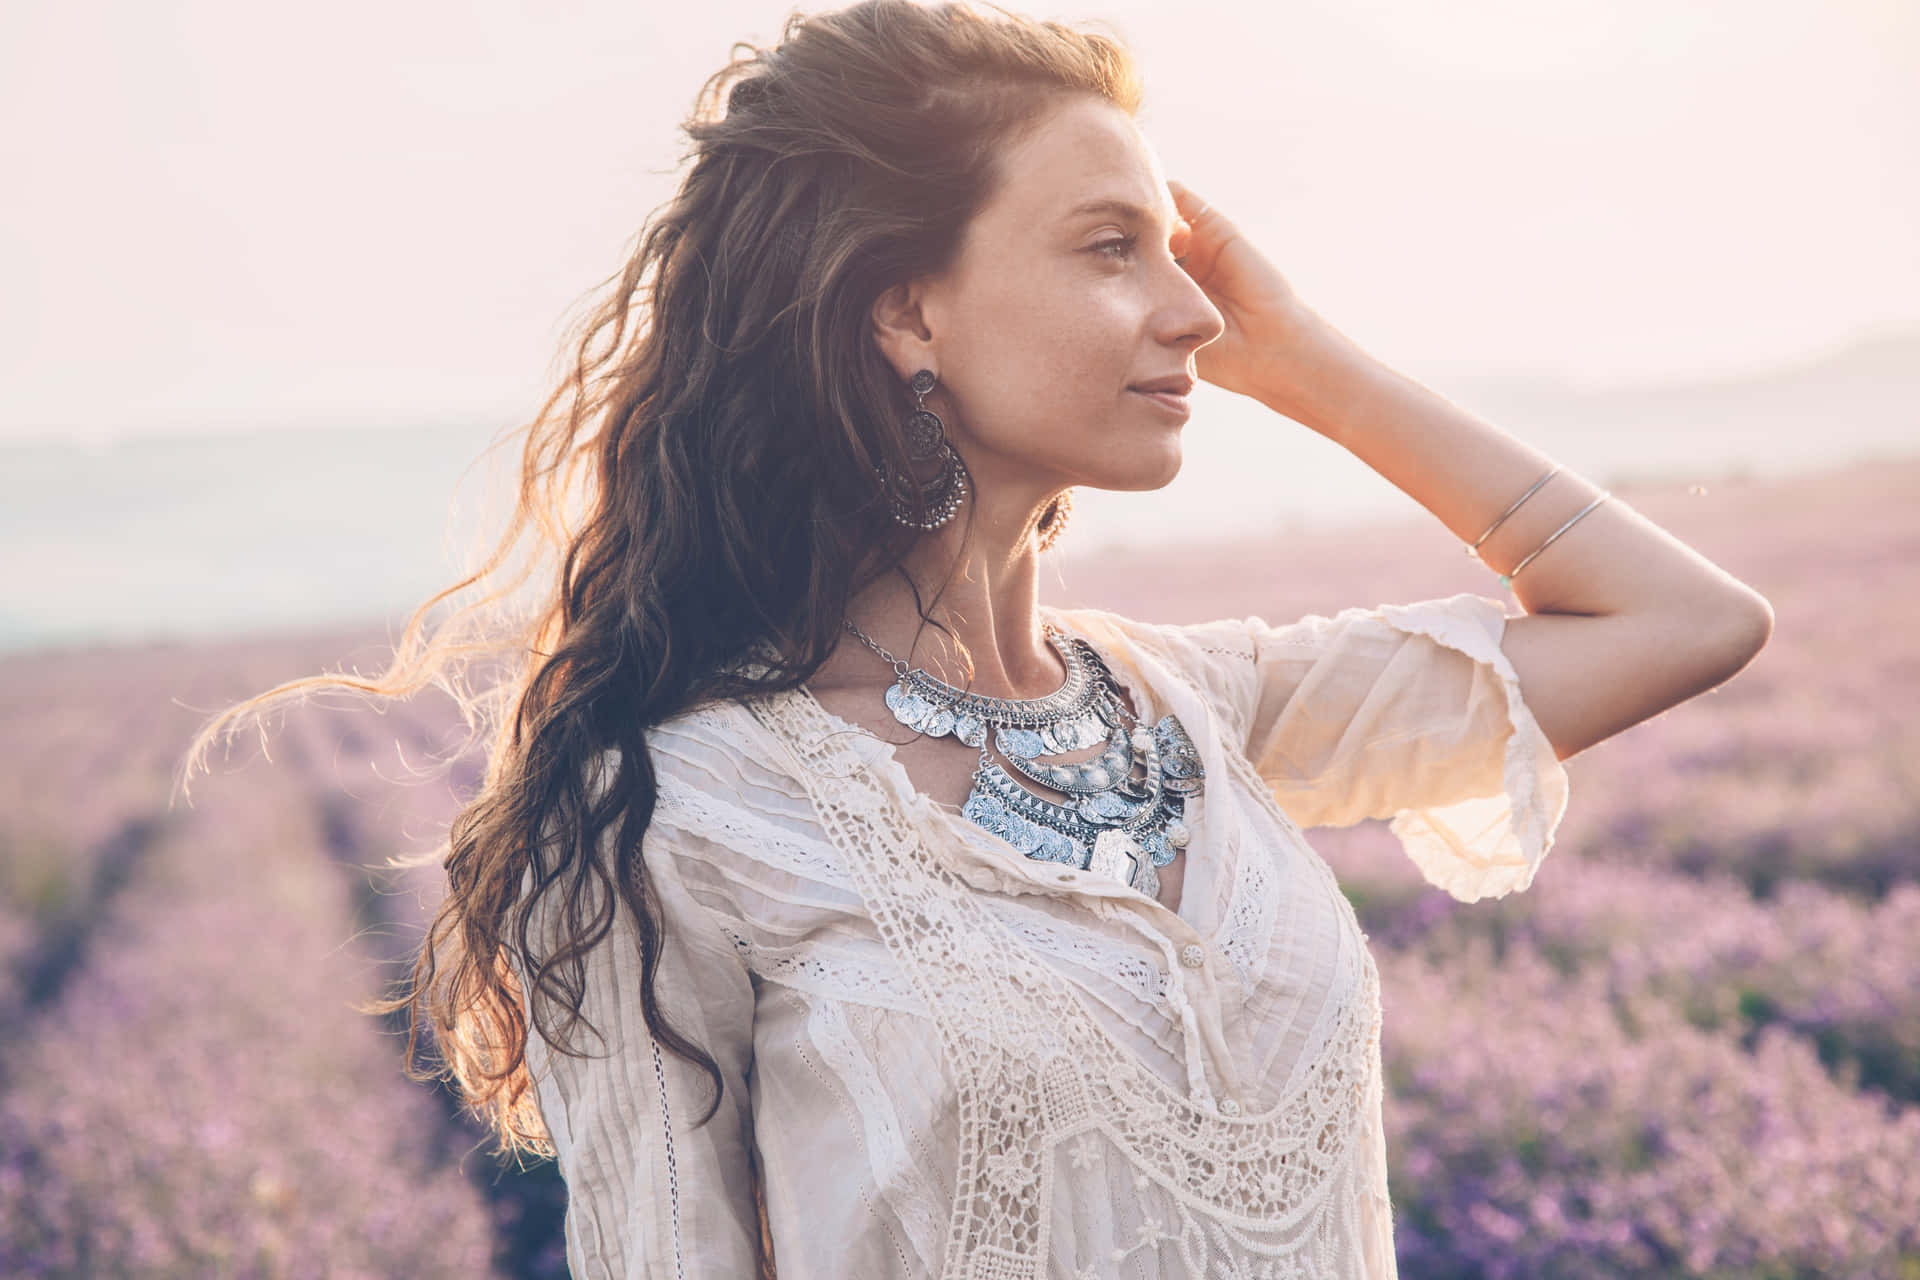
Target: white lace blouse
(950, 1060)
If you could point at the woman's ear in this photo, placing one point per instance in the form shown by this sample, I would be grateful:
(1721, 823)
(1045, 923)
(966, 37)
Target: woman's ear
(900, 330)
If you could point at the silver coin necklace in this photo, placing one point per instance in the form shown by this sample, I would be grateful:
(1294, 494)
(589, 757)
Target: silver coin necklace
(1125, 816)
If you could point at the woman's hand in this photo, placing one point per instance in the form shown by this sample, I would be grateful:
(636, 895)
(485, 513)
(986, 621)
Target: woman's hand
(1272, 340)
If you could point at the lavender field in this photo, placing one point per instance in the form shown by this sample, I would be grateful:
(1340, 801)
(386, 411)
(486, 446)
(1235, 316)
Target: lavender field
(1691, 1049)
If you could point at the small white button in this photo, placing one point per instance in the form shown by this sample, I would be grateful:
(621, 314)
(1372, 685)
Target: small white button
(1193, 955)
(1229, 1107)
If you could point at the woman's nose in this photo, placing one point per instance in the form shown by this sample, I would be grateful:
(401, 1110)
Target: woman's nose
(1191, 313)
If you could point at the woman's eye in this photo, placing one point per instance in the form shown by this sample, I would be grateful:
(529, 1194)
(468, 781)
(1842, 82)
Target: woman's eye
(1125, 245)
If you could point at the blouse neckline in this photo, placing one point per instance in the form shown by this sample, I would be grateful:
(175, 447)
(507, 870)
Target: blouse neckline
(1149, 704)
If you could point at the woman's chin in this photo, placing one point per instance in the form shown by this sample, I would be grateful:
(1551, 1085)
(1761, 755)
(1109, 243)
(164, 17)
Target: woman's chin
(1142, 472)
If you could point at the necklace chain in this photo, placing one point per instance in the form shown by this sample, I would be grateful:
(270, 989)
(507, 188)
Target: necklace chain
(1074, 697)
(899, 665)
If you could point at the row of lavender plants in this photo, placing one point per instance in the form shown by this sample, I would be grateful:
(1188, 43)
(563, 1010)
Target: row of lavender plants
(1539, 1125)
(186, 1088)
(1628, 1071)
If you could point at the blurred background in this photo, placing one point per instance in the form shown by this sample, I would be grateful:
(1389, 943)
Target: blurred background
(275, 278)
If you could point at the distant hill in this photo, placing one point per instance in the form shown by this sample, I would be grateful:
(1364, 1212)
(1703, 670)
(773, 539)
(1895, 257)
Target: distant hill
(1857, 401)
(223, 533)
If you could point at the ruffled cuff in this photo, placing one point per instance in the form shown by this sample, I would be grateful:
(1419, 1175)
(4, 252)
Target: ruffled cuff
(1489, 846)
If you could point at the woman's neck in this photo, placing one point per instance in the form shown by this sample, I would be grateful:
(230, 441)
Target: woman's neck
(991, 605)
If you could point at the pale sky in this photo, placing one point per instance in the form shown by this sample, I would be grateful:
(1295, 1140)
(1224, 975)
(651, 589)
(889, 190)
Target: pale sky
(224, 214)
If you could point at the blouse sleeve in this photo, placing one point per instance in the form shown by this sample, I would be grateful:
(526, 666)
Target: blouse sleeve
(1411, 713)
(649, 1192)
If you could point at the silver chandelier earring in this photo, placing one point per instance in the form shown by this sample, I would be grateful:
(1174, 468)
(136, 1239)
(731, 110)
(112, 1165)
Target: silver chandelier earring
(926, 438)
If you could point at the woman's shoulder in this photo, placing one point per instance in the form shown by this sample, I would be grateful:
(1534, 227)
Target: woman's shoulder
(1224, 636)
(727, 795)
(716, 755)
(1462, 620)
(1218, 655)
(718, 747)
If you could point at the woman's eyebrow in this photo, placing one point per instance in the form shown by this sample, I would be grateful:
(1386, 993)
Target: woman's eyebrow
(1123, 208)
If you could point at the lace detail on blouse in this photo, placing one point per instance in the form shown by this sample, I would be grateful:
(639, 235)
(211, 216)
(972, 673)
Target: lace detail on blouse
(838, 973)
(1138, 976)
(710, 817)
(1250, 917)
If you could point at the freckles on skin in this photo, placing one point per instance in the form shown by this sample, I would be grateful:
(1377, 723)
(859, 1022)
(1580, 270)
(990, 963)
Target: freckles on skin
(1041, 329)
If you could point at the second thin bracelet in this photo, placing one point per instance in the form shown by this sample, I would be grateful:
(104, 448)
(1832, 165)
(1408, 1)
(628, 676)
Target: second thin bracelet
(1506, 579)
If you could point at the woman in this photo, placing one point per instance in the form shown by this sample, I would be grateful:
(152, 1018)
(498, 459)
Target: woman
(785, 918)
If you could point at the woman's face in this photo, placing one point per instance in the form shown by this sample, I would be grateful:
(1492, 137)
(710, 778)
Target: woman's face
(1064, 296)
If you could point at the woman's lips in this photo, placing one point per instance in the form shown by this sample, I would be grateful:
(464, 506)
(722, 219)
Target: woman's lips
(1167, 400)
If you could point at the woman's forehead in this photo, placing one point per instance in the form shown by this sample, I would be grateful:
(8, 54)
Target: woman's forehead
(1083, 163)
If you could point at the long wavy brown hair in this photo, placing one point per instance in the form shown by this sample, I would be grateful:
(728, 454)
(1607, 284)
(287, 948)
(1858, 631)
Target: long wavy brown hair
(699, 489)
